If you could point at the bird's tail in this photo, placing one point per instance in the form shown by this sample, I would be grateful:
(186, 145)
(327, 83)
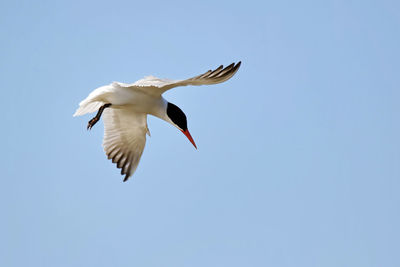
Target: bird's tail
(94, 101)
(88, 107)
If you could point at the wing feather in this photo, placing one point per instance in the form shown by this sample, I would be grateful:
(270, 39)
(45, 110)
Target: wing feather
(124, 138)
(219, 75)
(156, 86)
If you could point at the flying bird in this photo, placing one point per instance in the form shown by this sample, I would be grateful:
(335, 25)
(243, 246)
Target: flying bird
(125, 108)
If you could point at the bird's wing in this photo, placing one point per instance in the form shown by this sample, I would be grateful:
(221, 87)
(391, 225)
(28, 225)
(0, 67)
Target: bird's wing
(157, 86)
(124, 138)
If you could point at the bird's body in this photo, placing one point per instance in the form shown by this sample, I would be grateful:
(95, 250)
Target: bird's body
(123, 96)
(126, 107)
(120, 96)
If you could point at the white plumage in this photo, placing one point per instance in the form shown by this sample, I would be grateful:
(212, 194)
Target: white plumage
(125, 119)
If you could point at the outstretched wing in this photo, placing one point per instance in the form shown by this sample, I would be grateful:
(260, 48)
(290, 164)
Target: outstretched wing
(157, 86)
(124, 138)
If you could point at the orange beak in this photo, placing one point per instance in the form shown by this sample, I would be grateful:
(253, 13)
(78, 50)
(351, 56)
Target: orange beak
(189, 137)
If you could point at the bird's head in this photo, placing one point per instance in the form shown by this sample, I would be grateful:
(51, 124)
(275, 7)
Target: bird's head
(178, 119)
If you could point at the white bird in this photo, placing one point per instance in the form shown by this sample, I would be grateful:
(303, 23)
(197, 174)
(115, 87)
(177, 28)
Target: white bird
(126, 107)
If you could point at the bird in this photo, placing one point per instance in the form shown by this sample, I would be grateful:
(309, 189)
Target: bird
(125, 108)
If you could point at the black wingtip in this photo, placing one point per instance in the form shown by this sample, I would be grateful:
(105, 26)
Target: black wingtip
(237, 66)
(127, 175)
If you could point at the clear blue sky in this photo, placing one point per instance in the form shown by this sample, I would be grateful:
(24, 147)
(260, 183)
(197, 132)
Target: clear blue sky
(298, 159)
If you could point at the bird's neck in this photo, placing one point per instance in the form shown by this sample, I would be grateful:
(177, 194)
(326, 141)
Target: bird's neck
(160, 110)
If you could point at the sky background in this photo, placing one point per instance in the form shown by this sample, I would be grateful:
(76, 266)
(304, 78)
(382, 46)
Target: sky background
(298, 159)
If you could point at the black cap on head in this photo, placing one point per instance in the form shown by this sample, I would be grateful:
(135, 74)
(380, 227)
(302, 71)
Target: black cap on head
(177, 116)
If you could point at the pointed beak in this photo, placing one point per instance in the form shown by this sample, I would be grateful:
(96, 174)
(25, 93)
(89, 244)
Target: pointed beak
(189, 137)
